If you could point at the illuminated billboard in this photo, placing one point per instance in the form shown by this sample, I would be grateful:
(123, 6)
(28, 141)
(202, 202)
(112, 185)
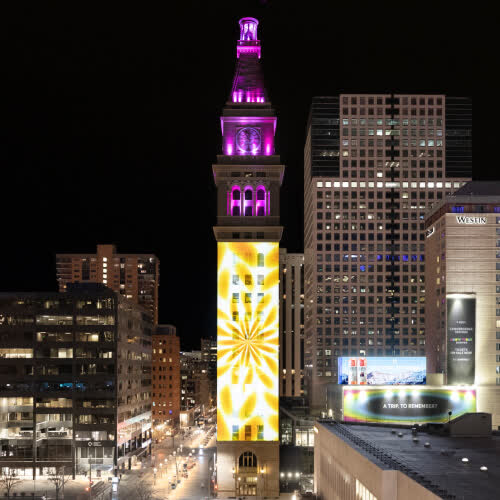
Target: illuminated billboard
(406, 405)
(381, 370)
(247, 341)
(460, 339)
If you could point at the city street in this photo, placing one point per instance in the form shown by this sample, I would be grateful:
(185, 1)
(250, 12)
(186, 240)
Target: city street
(188, 488)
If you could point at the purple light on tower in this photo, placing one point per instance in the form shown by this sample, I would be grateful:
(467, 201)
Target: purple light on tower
(248, 42)
(236, 201)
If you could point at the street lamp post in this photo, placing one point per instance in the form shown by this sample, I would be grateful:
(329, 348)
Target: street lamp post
(209, 492)
(176, 467)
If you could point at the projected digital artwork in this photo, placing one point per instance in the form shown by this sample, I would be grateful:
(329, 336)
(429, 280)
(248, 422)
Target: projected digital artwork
(247, 341)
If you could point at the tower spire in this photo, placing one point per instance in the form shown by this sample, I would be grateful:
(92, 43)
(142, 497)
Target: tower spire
(248, 82)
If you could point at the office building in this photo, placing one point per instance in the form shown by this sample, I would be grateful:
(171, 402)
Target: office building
(166, 381)
(209, 351)
(248, 176)
(195, 387)
(463, 291)
(291, 324)
(209, 358)
(373, 163)
(373, 462)
(135, 276)
(75, 381)
(296, 445)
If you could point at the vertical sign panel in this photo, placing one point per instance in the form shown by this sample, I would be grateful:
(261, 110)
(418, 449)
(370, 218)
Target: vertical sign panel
(460, 339)
(247, 341)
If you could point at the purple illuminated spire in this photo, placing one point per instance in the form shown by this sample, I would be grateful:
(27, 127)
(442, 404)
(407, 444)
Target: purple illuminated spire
(248, 83)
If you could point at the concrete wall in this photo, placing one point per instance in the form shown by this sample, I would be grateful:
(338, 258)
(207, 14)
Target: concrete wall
(488, 401)
(471, 424)
(342, 473)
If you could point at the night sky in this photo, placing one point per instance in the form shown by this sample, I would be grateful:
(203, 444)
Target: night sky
(110, 119)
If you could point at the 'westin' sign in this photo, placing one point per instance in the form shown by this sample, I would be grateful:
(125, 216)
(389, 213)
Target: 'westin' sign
(461, 219)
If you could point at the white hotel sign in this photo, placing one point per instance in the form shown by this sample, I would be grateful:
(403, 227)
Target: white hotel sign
(461, 219)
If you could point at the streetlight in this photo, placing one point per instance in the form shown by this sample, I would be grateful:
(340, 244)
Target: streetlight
(176, 468)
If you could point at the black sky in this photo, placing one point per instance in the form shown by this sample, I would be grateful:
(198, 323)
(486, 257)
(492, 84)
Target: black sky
(110, 119)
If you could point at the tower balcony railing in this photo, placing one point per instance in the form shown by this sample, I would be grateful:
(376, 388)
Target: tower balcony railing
(255, 221)
(248, 42)
(249, 159)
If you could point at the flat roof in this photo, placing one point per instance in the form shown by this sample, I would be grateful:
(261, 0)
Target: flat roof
(479, 188)
(440, 464)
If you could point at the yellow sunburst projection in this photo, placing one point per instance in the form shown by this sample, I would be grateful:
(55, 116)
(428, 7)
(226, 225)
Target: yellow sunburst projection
(247, 341)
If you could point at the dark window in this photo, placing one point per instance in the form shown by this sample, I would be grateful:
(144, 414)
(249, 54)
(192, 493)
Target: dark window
(247, 459)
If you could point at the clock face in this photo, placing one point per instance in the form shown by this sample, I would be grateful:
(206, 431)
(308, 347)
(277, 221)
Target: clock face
(248, 140)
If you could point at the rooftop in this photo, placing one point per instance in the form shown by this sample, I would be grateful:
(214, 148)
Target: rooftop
(479, 188)
(438, 465)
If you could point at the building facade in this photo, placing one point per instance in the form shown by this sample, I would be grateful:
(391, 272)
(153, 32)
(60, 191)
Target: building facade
(195, 383)
(248, 176)
(291, 324)
(463, 277)
(373, 164)
(209, 357)
(75, 383)
(135, 276)
(166, 383)
(371, 462)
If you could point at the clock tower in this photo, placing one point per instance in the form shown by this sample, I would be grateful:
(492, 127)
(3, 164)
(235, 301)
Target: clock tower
(248, 175)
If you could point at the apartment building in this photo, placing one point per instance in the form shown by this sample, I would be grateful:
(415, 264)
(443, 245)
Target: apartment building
(135, 276)
(166, 381)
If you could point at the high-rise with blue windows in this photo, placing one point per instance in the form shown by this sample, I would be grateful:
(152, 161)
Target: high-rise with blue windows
(373, 165)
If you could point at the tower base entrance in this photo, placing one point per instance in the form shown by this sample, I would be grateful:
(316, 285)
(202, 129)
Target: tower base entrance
(247, 468)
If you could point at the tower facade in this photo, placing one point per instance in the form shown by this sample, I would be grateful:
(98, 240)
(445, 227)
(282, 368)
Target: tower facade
(248, 176)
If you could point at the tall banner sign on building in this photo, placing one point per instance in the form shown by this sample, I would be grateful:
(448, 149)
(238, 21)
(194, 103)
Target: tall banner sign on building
(248, 341)
(460, 339)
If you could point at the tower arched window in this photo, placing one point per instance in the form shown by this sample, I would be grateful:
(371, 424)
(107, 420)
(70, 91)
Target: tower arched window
(248, 202)
(261, 201)
(248, 460)
(235, 202)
